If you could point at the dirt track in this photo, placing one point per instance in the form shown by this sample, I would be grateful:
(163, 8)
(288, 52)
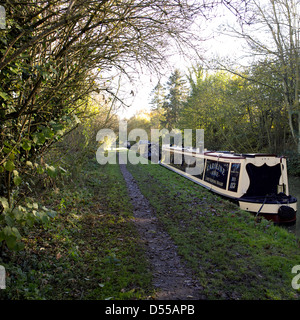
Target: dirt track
(171, 276)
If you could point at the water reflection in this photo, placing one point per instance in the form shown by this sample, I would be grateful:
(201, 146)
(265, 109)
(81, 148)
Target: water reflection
(294, 186)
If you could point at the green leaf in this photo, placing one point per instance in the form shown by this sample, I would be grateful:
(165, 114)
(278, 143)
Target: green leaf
(11, 235)
(42, 216)
(9, 220)
(4, 95)
(8, 144)
(29, 164)
(40, 170)
(16, 232)
(4, 203)
(48, 133)
(7, 232)
(51, 213)
(6, 150)
(51, 171)
(39, 138)
(19, 246)
(18, 213)
(76, 119)
(26, 145)
(30, 221)
(45, 218)
(58, 128)
(11, 242)
(17, 180)
(9, 165)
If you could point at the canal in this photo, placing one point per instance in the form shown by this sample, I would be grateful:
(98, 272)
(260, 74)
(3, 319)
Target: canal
(294, 187)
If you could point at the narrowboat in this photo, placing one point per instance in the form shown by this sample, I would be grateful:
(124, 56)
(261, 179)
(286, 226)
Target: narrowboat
(258, 183)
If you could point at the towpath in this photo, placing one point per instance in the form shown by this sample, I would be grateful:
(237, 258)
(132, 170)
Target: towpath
(171, 277)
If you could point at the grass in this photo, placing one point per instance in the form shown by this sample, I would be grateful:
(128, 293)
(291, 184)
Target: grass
(233, 256)
(90, 251)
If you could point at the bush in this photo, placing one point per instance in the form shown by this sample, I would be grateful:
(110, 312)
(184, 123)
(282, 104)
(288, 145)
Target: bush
(293, 162)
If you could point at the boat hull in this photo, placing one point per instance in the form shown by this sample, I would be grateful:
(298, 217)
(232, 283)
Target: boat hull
(280, 212)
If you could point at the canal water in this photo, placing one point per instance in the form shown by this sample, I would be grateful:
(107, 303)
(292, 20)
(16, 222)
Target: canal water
(294, 188)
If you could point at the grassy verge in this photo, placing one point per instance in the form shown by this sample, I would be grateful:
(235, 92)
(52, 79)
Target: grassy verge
(90, 251)
(233, 256)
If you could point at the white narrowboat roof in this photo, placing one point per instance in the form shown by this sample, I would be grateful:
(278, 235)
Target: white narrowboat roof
(223, 154)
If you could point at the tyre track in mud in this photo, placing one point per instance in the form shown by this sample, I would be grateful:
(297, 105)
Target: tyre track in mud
(172, 279)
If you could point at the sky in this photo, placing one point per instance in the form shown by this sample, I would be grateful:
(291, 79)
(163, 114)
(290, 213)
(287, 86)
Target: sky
(141, 98)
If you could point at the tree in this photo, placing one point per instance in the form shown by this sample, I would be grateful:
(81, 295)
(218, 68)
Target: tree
(235, 113)
(53, 56)
(173, 102)
(206, 107)
(273, 35)
(158, 95)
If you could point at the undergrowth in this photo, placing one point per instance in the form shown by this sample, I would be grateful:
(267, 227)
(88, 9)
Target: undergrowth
(89, 251)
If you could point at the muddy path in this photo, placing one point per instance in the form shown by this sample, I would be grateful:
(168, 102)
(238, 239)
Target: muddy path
(171, 277)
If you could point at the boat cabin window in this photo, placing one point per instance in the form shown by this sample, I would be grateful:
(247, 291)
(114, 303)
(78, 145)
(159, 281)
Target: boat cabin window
(176, 160)
(194, 166)
(216, 173)
(234, 177)
(187, 163)
(263, 179)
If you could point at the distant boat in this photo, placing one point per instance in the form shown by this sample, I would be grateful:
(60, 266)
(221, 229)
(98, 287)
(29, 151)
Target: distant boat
(257, 182)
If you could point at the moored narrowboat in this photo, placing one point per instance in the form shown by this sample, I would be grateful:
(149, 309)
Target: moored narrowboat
(257, 182)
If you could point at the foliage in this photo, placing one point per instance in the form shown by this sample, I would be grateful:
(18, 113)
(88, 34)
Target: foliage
(173, 101)
(236, 113)
(293, 162)
(140, 120)
(20, 216)
(19, 209)
(90, 251)
(275, 49)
